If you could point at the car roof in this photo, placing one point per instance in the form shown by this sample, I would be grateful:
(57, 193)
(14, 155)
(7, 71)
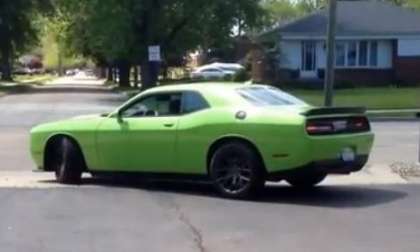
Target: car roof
(229, 65)
(202, 86)
(217, 93)
(206, 67)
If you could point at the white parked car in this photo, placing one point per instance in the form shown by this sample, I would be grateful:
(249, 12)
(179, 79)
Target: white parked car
(233, 67)
(216, 71)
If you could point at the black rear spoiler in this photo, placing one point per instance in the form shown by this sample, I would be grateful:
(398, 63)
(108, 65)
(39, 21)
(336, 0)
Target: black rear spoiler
(334, 110)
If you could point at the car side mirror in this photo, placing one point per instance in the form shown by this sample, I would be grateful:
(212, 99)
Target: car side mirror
(119, 116)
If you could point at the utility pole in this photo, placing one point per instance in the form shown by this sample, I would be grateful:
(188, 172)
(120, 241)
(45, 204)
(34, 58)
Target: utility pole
(329, 72)
(418, 116)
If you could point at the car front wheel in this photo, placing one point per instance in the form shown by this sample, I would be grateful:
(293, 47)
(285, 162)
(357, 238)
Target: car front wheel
(236, 171)
(67, 162)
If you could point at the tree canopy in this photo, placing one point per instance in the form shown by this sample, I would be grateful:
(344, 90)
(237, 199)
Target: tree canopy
(18, 30)
(120, 31)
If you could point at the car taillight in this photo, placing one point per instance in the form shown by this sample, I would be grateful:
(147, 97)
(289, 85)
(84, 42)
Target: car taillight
(327, 126)
(358, 124)
(314, 128)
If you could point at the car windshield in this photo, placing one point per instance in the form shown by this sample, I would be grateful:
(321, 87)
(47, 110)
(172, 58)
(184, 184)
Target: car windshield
(268, 96)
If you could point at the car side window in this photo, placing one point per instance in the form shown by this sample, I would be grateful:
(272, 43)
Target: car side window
(192, 102)
(168, 104)
(211, 70)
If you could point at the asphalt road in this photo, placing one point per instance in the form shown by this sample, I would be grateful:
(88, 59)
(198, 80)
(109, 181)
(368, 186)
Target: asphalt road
(20, 112)
(100, 216)
(168, 217)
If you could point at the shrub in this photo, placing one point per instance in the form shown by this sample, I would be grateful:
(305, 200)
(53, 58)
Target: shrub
(241, 76)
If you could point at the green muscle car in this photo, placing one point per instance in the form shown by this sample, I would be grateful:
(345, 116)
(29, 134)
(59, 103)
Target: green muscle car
(237, 136)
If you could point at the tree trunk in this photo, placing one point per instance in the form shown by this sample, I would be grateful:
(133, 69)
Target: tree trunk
(110, 74)
(115, 74)
(165, 69)
(6, 62)
(136, 76)
(60, 63)
(149, 74)
(146, 82)
(124, 74)
(102, 72)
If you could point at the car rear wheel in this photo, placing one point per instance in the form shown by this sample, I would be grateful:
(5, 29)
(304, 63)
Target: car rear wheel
(236, 171)
(68, 162)
(306, 180)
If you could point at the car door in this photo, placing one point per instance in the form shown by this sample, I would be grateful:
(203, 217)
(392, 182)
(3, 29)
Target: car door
(143, 138)
(216, 73)
(212, 73)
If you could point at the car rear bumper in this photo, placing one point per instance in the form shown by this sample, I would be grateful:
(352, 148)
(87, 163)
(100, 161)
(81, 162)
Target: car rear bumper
(334, 166)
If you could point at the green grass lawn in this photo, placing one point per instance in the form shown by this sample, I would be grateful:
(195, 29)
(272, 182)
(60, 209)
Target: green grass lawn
(34, 79)
(372, 98)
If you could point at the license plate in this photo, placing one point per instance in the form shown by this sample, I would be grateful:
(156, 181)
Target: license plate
(348, 155)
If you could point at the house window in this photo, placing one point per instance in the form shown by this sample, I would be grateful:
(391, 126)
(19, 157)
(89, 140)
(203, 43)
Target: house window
(356, 54)
(352, 54)
(373, 54)
(341, 54)
(363, 53)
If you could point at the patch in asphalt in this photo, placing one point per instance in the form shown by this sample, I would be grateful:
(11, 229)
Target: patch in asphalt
(406, 170)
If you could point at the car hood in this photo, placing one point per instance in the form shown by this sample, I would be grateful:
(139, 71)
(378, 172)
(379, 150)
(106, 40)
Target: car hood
(83, 122)
(85, 117)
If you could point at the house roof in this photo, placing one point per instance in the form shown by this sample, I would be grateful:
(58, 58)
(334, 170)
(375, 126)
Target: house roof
(358, 18)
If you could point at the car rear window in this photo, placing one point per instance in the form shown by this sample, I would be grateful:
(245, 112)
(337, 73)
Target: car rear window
(268, 96)
(193, 102)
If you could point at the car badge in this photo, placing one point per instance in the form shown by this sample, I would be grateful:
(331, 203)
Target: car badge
(340, 125)
(240, 115)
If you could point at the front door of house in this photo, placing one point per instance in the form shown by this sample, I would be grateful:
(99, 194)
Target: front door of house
(308, 67)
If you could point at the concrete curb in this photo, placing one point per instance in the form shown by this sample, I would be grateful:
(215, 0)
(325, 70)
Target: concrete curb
(370, 175)
(377, 174)
(394, 119)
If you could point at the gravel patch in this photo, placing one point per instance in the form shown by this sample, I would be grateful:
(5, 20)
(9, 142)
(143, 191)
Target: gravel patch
(406, 170)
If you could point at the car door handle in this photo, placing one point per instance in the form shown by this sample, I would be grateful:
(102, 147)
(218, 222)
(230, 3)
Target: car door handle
(168, 125)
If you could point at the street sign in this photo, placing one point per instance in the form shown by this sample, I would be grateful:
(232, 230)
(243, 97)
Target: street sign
(154, 53)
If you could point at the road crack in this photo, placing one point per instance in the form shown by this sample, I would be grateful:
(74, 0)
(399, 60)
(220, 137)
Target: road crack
(197, 234)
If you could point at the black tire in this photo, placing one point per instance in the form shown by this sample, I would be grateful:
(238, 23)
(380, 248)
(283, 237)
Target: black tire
(67, 162)
(306, 180)
(236, 171)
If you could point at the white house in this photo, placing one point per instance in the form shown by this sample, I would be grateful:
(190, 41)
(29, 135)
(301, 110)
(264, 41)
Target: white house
(377, 42)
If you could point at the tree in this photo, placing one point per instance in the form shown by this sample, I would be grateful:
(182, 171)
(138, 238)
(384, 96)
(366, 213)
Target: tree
(18, 30)
(415, 4)
(120, 31)
(283, 11)
(279, 11)
(309, 6)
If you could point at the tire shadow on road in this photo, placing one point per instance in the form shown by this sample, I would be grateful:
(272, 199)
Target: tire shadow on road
(337, 196)
(349, 196)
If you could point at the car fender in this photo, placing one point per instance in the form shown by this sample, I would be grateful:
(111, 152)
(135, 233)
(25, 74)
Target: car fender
(213, 146)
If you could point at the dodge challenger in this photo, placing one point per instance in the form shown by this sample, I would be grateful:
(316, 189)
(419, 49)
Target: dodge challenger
(237, 136)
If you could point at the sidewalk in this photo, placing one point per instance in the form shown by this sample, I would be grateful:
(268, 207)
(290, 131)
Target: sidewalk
(394, 114)
(76, 81)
